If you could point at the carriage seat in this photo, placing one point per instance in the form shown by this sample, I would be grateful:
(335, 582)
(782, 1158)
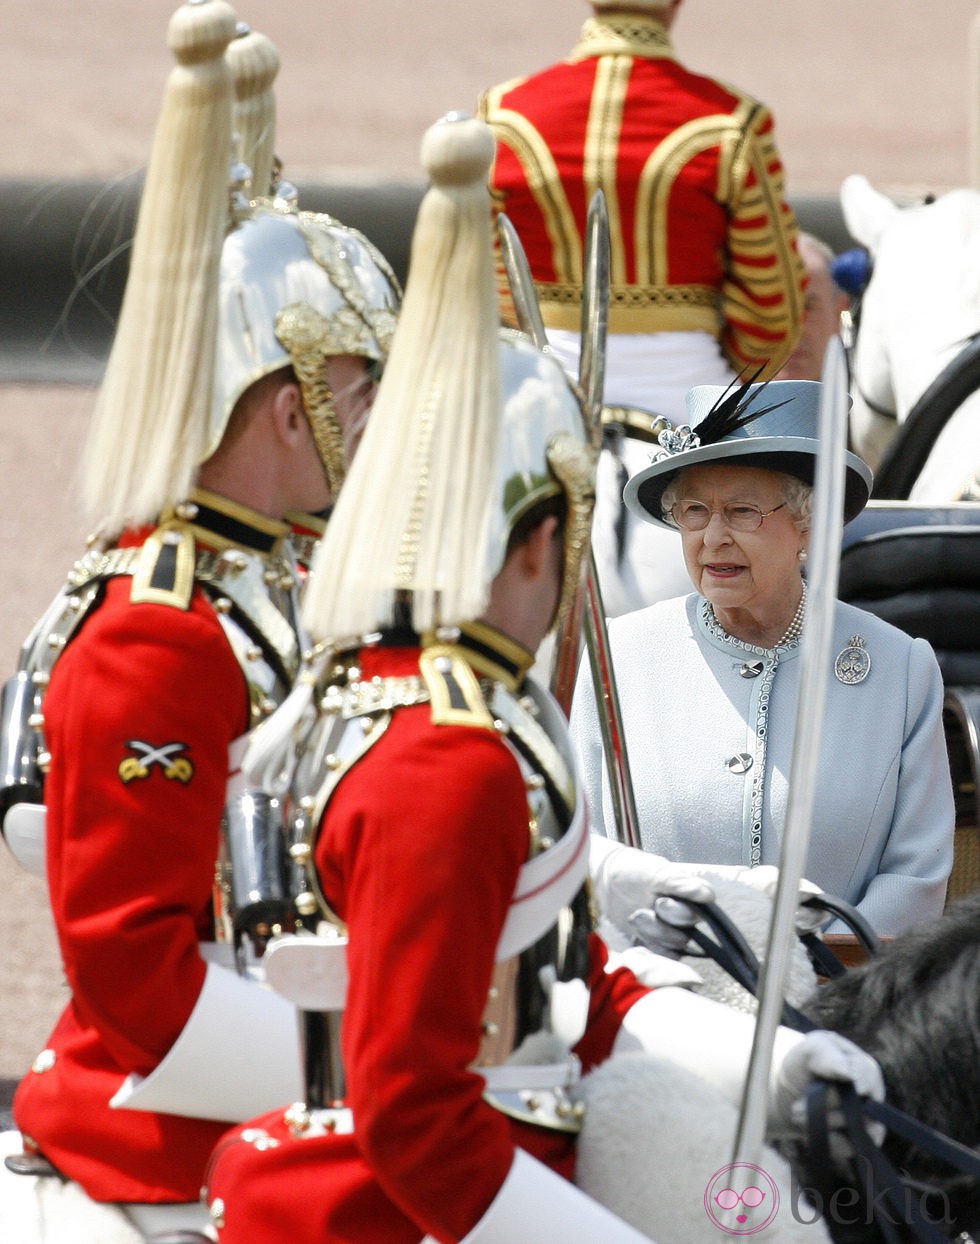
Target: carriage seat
(918, 567)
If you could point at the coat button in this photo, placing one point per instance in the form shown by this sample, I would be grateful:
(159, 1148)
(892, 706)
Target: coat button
(740, 763)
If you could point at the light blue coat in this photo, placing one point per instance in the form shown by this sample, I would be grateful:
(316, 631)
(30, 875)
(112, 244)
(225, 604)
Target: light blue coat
(699, 731)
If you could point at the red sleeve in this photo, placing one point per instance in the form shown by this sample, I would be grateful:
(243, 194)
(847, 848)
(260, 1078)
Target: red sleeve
(763, 295)
(611, 994)
(421, 850)
(131, 845)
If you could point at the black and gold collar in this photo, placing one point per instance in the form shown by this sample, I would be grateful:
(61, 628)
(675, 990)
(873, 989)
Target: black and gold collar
(485, 649)
(223, 524)
(495, 654)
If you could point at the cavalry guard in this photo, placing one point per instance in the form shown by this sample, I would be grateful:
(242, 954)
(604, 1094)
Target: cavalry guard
(249, 335)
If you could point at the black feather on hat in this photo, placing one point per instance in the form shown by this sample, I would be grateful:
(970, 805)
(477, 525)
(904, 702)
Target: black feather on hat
(729, 412)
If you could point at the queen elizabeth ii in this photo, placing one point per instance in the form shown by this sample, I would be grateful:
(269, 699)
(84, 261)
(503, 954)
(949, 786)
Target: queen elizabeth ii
(708, 683)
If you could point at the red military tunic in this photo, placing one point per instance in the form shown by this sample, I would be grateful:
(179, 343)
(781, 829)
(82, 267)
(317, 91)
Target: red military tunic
(419, 854)
(701, 236)
(139, 716)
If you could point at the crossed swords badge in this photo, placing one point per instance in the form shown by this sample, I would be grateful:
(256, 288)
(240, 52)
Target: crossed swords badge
(175, 767)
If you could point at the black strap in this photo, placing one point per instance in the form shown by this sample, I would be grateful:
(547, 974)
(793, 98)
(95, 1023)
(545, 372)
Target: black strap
(883, 1185)
(887, 1201)
(825, 962)
(729, 949)
(959, 1156)
(850, 915)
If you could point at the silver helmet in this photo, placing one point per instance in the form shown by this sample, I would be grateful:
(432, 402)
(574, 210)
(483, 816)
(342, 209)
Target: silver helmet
(473, 428)
(216, 299)
(294, 289)
(544, 452)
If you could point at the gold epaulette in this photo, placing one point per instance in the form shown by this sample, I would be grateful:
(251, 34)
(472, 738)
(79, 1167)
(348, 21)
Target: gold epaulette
(455, 691)
(164, 573)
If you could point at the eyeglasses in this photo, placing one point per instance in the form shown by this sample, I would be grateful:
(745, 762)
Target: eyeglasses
(695, 515)
(728, 1198)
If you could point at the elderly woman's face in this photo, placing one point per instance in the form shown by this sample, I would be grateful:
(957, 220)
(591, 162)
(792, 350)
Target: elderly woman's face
(740, 569)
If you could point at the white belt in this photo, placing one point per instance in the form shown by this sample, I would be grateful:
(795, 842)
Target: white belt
(518, 1077)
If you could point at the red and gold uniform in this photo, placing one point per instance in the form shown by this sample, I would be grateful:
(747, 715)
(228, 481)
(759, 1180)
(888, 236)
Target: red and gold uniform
(420, 856)
(701, 236)
(179, 639)
(705, 280)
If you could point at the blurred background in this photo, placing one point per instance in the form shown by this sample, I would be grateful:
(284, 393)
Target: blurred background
(881, 87)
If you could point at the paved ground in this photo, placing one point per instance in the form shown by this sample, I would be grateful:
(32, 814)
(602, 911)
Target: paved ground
(869, 86)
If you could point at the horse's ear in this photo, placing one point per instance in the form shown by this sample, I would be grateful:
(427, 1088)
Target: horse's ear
(867, 212)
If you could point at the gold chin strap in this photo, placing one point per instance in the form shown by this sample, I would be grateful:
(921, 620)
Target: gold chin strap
(573, 463)
(644, 425)
(302, 332)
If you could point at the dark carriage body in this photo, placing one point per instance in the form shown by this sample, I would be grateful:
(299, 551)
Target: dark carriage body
(918, 567)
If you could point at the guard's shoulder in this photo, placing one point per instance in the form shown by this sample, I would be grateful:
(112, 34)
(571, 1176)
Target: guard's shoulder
(455, 693)
(164, 570)
(492, 99)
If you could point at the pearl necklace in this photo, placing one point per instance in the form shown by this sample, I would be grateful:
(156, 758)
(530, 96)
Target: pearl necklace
(795, 628)
(789, 636)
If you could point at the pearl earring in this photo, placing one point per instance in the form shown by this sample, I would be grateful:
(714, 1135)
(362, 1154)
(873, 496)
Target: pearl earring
(802, 555)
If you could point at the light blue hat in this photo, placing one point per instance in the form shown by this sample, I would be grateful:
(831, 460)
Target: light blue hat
(772, 425)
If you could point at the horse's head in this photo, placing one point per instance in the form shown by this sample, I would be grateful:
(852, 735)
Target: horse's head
(916, 1008)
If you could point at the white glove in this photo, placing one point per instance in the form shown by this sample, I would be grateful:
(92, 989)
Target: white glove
(654, 970)
(626, 879)
(763, 879)
(665, 927)
(826, 1055)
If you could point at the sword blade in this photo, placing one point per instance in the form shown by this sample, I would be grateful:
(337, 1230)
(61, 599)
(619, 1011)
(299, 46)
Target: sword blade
(595, 312)
(815, 648)
(587, 615)
(521, 283)
(625, 818)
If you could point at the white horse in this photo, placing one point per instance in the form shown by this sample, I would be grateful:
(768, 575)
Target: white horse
(920, 309)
